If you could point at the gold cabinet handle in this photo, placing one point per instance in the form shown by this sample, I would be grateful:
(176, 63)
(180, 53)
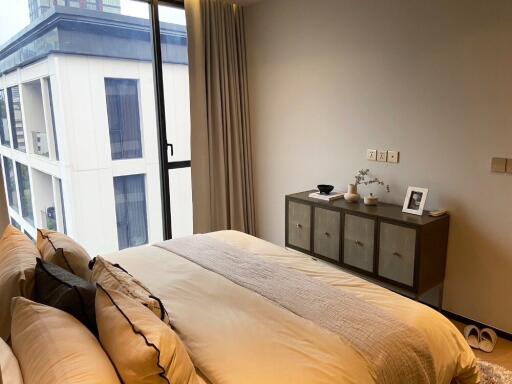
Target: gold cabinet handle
(358, 243)
(298, 226)
(327, 234)
(397, 254)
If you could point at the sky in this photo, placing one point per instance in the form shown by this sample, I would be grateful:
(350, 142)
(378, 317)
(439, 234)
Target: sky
(14, 15)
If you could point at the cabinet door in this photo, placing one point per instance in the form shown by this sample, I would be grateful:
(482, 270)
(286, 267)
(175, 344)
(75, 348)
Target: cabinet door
(299, 225)
(397, 253)
(327, 233)
(359, 242)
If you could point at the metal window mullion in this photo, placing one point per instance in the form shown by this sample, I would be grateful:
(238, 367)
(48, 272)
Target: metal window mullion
(160, 113)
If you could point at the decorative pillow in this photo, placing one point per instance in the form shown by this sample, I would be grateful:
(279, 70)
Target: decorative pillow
(114, 277)
(58, 288)
(74, 258)
(9, 368)
(17, 262)
(143, 349)
(53, 347)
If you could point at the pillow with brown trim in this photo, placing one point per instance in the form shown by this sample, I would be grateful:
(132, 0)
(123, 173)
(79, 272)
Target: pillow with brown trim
(10, 372)
(72, 256)
(53, 347)
(114, 277)
(17, 263)
(143, 349)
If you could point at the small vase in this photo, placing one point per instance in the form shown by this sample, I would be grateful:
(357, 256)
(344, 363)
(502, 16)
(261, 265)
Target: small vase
(371, 200)
(352, 196)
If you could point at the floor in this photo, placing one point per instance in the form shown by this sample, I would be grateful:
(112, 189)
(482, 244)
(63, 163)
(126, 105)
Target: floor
(501, 355)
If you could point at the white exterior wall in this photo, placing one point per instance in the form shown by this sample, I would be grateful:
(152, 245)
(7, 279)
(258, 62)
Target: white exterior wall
(86, 167)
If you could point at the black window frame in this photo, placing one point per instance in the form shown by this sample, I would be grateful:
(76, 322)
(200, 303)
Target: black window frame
(163, 144)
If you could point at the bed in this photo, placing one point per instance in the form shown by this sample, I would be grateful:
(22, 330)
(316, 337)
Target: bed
(237, 334)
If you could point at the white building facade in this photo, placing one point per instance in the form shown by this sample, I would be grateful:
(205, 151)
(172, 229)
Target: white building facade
(79, 131)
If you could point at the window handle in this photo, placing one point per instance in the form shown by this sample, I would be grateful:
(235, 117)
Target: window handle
(172, 148)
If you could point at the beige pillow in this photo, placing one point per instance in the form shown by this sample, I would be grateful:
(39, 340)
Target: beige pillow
(73, 257)
(143, 349)
(17, 264)
(9, 368)
(53, 347)
(113, 277)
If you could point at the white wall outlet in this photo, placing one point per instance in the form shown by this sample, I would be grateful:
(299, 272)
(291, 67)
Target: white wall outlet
(371, 154)
(393, 156)
(382, 156)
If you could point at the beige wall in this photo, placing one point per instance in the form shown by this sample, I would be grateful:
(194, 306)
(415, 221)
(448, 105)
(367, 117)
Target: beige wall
(431, 79)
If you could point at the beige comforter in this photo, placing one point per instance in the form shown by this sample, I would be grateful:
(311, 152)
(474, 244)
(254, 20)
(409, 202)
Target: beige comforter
(236, 336)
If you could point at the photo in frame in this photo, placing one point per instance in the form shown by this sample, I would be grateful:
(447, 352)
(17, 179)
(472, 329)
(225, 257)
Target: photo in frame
(415, 200)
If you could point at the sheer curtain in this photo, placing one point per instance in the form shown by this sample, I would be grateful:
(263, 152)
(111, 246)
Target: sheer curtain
(222, 180)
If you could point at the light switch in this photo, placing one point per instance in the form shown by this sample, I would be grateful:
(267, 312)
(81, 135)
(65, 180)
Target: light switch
(499, 165)
(509, 165)
(382, 156)
(371, 154)
(393, 156)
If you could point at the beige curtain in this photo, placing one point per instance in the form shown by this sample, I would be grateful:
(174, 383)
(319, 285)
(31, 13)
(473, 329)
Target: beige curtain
(222, 181)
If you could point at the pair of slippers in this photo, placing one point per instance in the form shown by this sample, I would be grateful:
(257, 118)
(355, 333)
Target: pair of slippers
(484, 339)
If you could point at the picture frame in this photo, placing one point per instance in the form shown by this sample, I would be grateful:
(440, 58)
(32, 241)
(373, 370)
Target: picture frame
(415, 199)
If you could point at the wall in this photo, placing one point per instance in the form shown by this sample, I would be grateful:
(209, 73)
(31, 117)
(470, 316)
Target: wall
(329, 79)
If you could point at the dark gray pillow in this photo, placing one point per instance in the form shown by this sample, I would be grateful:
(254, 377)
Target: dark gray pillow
(58, 288)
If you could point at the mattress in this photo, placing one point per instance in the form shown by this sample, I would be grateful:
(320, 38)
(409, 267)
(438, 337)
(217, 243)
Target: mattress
(235, 335)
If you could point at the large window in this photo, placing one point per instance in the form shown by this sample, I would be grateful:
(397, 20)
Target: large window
(25, 194)
(10, 183)
(130, 197)
(123, 118)
(4, 126)
(18, 137)
(85, 91)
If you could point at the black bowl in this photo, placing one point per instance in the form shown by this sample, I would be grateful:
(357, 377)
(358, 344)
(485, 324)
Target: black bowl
(325, 189)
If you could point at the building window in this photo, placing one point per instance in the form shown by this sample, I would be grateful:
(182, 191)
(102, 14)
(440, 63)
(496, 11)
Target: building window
(4, 125)
(123, 118)
(10, 183)
(63, 210)
(52, 112)
(15, 224)
(25, 195)
(29, 236)
(130, 197)
(18, 137)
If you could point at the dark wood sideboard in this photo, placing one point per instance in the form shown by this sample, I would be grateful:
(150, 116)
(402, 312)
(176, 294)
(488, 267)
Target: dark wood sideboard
(399, 249)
